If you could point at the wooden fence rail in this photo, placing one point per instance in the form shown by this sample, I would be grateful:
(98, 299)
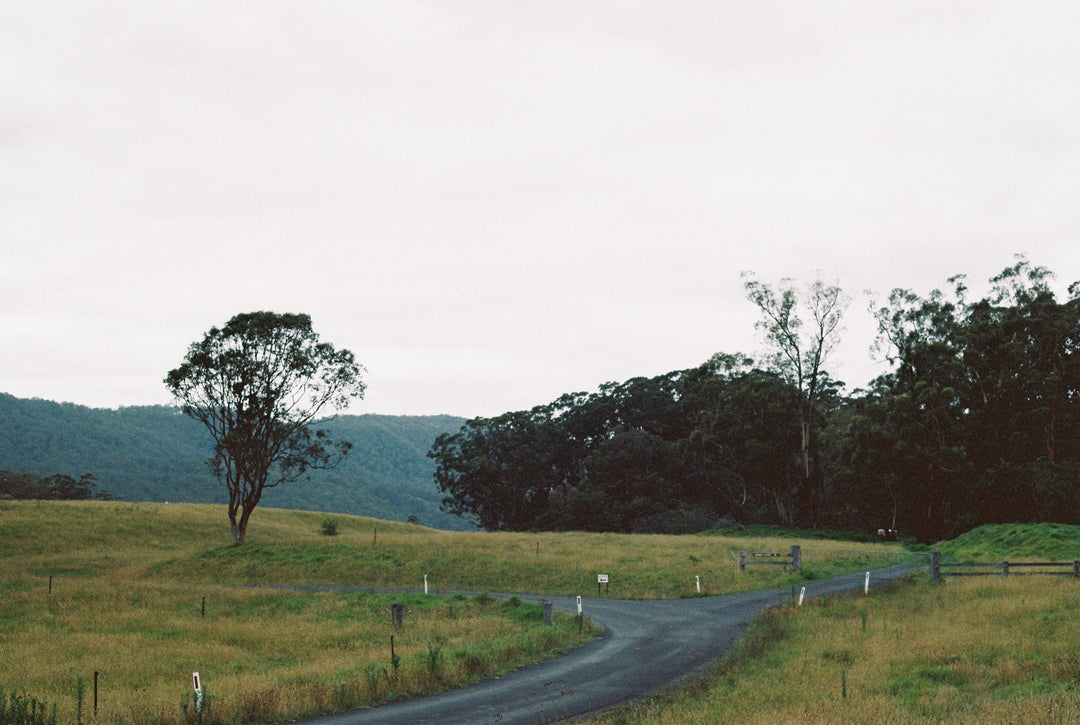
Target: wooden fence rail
(938, 568)
(792, 559)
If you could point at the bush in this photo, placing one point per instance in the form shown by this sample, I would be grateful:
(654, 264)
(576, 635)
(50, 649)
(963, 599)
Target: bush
(23, 710)
(329, 528)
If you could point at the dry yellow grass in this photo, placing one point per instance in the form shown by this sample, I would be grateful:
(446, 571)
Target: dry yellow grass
(970, 651)
(129, 579)
(263, 654)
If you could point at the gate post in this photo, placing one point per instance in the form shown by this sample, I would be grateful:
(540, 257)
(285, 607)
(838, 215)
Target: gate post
(796, 557)
(935, 566)
(742, 561)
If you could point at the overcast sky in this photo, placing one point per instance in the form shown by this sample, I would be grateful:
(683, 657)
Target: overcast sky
(493, 203)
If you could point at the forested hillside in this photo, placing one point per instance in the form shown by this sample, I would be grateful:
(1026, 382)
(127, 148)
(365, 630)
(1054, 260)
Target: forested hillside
(154, 453)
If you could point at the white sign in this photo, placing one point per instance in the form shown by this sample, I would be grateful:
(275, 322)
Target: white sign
(601, 579)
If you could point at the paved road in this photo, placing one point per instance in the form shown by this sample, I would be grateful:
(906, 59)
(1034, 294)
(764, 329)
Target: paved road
(648, 645)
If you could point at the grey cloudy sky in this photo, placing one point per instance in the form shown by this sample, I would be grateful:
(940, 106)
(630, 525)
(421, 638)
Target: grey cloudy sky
(493, 203)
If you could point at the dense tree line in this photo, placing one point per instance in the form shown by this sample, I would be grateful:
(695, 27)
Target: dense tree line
(58, 487)
(978, 421)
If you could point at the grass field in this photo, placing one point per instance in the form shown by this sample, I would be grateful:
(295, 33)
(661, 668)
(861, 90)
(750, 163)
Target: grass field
(971, 650)
(129, 582)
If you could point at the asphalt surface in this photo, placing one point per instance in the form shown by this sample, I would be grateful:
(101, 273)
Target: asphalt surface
(647, 646)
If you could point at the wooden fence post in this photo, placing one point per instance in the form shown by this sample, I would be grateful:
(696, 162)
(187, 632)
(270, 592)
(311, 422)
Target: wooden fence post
(935, 566)
(796, 557)
(397, 615)
(742, 561)
(1004, 568)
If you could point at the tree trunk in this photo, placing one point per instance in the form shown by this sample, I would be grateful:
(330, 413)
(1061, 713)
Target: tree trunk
(240, 528)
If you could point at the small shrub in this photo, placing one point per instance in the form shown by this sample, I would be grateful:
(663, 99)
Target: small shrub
(434, 659)
(329, 528)
(24, 710)
(193, 714)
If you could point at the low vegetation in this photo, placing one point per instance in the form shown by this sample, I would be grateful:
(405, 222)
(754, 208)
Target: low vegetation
(971, 650)
(146, 594)
(380, 554)
(85, 593)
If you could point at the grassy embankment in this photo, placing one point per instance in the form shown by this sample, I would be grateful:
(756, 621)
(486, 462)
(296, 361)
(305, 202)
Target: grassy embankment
(970, 650)
(129, 581)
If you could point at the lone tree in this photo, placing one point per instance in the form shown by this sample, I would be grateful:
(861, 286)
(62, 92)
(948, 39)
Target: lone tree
(800, 349)
(258, 384)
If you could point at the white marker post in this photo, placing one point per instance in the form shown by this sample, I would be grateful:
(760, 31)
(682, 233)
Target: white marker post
(866, 589)
(697, 580)
(601, 579)
(425, 584)
(801, 595)
(579, 606)
(198, 691)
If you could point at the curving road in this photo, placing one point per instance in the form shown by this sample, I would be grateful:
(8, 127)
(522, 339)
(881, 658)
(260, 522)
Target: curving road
(648, 645)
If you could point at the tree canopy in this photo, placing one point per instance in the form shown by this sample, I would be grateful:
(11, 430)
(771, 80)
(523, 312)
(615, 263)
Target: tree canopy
(258, 384)
(978, 421)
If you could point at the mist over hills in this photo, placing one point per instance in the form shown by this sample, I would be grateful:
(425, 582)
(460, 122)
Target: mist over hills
(155, 453)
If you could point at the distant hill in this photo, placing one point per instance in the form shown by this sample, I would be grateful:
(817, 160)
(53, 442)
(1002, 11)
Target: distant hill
(155, 453)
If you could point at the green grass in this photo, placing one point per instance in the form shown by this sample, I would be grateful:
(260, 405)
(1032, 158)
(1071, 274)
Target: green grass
(129, 580)
(1015, 542)
(981, 650)
(263, 653)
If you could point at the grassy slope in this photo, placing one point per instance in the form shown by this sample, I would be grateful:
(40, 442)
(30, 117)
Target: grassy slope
(264, 654)
(968, 651)
(1015, 542)
(129, 578)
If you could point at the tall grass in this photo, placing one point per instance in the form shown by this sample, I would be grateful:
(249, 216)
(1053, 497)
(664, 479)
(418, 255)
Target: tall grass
(378, 554)
(971, 651)
(129, 581)
(262, 654)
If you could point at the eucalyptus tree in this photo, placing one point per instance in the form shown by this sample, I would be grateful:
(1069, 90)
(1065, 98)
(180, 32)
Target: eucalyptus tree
(259, 384)
(801, 328)
(981, 419)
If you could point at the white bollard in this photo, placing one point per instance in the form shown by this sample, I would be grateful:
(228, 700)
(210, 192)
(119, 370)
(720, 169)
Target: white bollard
(801, 595)
(697, 580)
(198, 691)
(866, 589)
(579, 605)
(425, 584)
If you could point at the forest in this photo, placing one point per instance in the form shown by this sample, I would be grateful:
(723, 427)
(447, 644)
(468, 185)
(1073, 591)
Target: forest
(977, 421)
(155, 453)
(57, 487)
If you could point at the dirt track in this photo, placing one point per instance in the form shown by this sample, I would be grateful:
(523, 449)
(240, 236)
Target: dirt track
(648, 645)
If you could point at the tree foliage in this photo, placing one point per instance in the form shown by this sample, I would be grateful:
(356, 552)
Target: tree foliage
(668, 453)
(978, 421)
(257, 385)
(58, 487)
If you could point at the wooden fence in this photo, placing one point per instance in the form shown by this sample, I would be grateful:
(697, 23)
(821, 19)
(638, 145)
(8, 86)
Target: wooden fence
(793, 559)
(938, 568)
